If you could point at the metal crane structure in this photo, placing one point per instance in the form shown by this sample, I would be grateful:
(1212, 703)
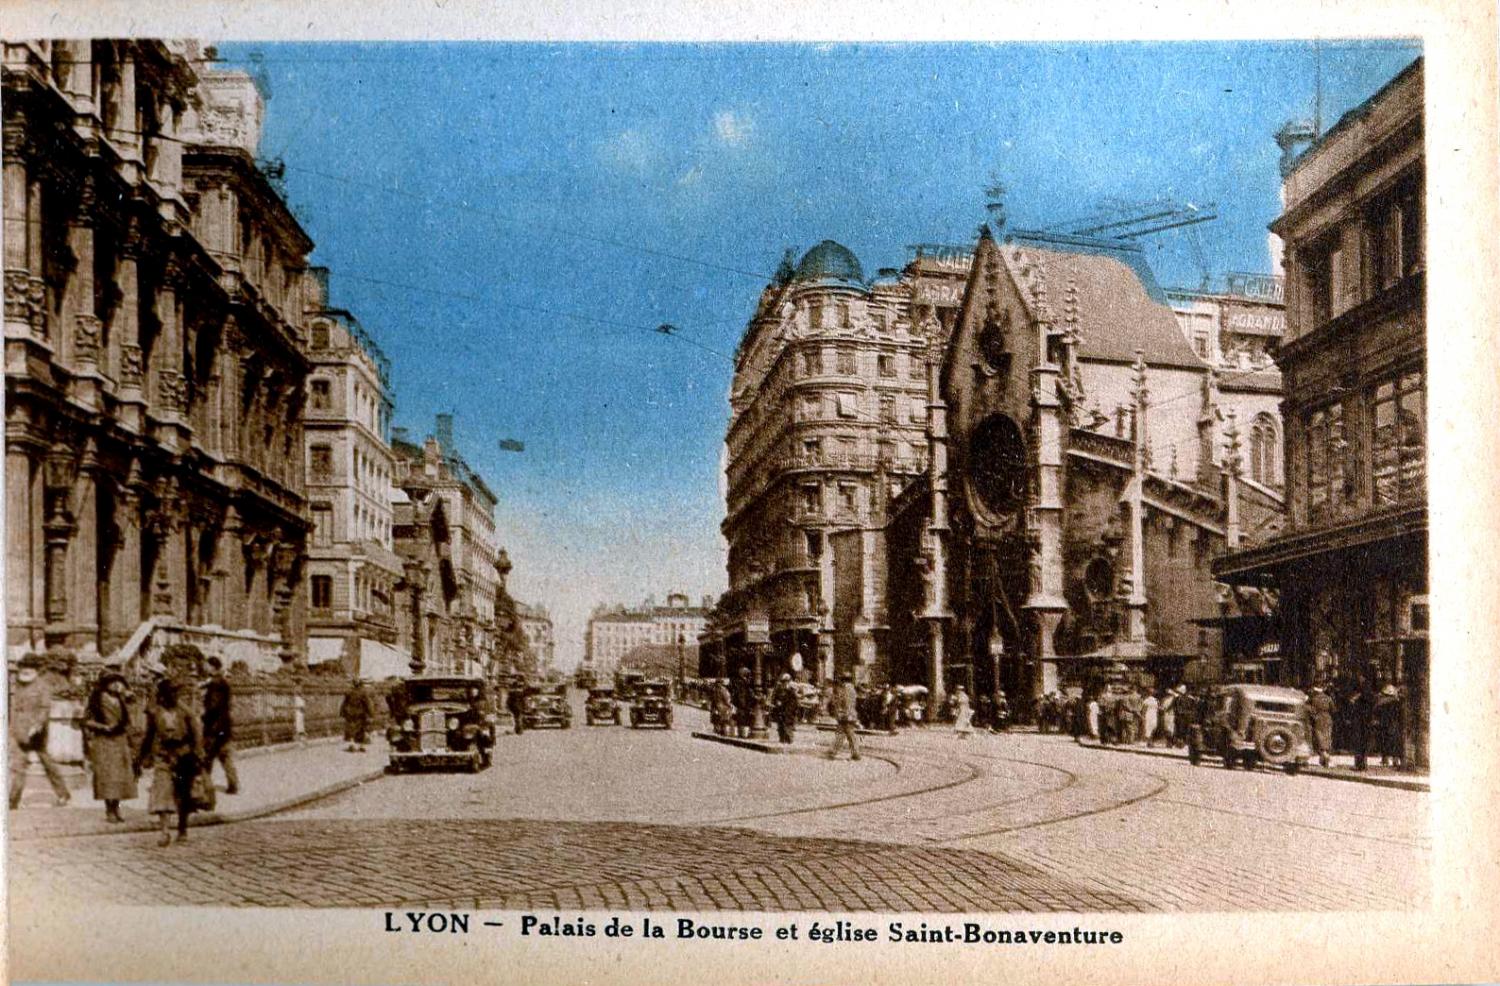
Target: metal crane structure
(1132, 220)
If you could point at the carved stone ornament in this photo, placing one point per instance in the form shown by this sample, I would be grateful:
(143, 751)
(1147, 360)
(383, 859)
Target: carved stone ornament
(132, 365)
(171, 390)
(17, 296)
(86, 332)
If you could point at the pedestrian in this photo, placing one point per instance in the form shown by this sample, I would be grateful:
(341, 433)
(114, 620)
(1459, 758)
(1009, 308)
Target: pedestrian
(1388, 726)
(1320, 722)
(1150, 715)
(357, 709)
(1361, 712)
(299, 717)
(1092, 711)
(1184, 714)
(1002, 711)
(843, 716)
(30, 708)
(1077, 716)
(173, 752)
(723, 707)
(107, 725)
(784, 705)
(1168, 710)
(963, 714)
(1130, 726)
(743, 696)
(218, 733)
(515, 704)
(890, 705)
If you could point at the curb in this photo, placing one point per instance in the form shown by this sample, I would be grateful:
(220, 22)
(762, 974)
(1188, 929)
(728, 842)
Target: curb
(745, 744)
(1353, 777)
(201, 819)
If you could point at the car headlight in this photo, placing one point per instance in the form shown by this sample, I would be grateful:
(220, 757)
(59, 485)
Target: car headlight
(410, 725)
(453, 722)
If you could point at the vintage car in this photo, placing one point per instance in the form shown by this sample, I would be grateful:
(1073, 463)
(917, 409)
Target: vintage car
(601, 707)
(626, 682)
(446, 721)
(1253, 724)
(652, 702)
(546, 705)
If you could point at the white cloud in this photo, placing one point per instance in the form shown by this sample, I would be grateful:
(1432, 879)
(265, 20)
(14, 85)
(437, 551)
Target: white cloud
(733, 128)
(630, 150)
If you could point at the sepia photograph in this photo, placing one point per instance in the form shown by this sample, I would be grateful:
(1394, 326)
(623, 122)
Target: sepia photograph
(904, 489)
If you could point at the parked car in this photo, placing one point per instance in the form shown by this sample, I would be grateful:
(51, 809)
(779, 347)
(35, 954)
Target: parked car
(1253, 724)
(652, 702)
(447, 721)
(546, 705)
(911, 704)
(601, 707)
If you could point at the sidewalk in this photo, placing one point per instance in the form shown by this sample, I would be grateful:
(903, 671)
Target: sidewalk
(272, 779)
(1341, 767)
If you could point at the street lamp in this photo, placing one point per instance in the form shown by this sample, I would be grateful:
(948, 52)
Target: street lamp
(681, 668)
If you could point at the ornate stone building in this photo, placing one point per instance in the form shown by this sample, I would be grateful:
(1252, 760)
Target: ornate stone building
(352, 566)
(453, 572)
(1084, 472)
(155, 334)
(828, 418)
(1351, 566)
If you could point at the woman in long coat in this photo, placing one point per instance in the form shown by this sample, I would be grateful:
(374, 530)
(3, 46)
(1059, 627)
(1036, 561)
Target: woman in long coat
(963, 715)
(173, 750)
(107, 724)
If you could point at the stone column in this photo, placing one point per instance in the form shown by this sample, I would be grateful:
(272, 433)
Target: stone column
(16, 211)
(83, 559)
(168, 393)
(125, 332)
(168, 581)
(758, 706)
(229, 573)
(57, 532)
(125, 575)
(22, 532)
(415, 574)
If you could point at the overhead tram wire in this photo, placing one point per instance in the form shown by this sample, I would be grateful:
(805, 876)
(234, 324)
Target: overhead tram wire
(556, 313)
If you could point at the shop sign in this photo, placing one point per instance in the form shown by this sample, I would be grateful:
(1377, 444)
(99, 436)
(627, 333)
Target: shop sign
(1257, 287)
(939, 294)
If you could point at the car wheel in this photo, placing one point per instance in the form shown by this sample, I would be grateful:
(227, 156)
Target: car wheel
(1292, 768)
(1229, 758)
(1275, 743)
(1195, 756)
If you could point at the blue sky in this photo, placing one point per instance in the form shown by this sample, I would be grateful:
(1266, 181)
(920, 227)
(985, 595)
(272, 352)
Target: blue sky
(510, 221)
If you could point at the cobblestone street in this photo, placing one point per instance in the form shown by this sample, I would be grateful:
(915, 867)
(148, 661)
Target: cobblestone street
(613, 818)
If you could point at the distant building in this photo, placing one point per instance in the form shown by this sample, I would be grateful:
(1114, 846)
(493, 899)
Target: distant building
(536, 624)
(1351, 566)
(453, 570)
(1238, 331)
(352, 567)
(615, 631)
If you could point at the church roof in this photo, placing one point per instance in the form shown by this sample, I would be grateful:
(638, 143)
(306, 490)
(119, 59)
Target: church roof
(1116, 314)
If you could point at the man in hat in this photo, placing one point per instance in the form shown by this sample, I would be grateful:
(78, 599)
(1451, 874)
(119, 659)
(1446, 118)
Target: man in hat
(356, 710)
(217, 726)
(784, 704)
(744, 703)
(843, 711)
(30, 707)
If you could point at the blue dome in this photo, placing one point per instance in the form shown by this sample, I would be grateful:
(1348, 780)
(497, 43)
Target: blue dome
(830, 260)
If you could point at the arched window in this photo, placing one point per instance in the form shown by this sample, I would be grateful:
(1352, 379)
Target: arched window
(1263, 448)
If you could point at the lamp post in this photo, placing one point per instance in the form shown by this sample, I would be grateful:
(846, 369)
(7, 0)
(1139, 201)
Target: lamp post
(681, 668)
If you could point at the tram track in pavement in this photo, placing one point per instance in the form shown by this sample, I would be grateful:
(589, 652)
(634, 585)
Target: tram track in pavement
(974, 774)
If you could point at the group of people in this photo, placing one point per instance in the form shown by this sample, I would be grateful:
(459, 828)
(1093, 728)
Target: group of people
(732, 705)
(125, 737)
(1132, 715)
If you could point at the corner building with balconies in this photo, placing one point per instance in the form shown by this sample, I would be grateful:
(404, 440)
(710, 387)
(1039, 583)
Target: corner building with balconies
(828, 418)
(155, 291)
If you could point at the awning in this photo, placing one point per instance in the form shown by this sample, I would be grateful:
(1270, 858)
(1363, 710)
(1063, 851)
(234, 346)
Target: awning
(378, 660)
